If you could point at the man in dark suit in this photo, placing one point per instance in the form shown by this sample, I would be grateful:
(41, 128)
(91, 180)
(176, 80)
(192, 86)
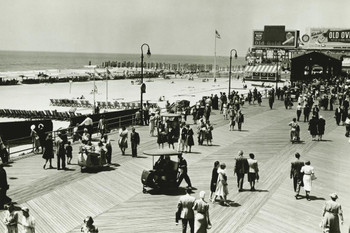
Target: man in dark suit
(306, 113)
(296, 174)
(184, 207)
(183, 172)
(241, 167)
(135, 141)
(61, 152)
(337, 114)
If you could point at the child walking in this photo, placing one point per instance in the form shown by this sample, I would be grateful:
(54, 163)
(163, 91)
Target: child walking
(69, 150)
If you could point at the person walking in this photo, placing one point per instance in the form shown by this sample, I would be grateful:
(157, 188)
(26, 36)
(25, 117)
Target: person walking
(271, 98)
(308, 171)
(102, 126)
(170, 138)
(209, 133)
(135, 141)
(152, 124)
(296, 174)
(337, 114)
(232, 115)
(185, 210)
(11, 219)
(189, 138)
(313, 127)
(201, 218)
(42, 136)
(161, 135)
(35, 139)
(27, 221)
(69, 152)
(221, 187)
(214, 179)
(321, 123)
(48, 153)
(332, 211)
(239, 119)
(4, 199)
(108, 145)
(182, 138)
(123, 139)
(253, 173)
(299, 108)
(241, 167)
(183, 172)
(60, 152)
(306, 112)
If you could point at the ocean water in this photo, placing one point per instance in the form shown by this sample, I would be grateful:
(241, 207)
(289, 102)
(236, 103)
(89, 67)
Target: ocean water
(11, 61)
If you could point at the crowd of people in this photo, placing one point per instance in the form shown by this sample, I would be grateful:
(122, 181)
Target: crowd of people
(310, 98)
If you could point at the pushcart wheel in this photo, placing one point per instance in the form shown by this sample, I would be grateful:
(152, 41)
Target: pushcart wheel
(144, 190)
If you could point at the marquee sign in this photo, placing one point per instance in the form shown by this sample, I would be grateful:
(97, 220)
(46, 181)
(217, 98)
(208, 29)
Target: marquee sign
(289, 40)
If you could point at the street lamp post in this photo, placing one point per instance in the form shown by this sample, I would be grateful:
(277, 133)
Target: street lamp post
(276, 53)
(143, 86)
(229, 81)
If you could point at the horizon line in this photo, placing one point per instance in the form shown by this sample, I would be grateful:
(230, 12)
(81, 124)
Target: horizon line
(33, 51)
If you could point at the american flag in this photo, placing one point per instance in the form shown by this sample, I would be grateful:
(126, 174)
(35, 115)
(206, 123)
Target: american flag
(217, 34)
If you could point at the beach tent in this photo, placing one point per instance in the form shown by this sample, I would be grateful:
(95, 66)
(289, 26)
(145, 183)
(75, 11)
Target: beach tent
(303, 65)
(261, 72)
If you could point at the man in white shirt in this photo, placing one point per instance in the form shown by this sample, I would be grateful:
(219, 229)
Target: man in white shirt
(28, 222)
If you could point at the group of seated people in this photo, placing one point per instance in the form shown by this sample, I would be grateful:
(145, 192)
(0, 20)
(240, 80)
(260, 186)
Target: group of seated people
(95, 154)
(165, 170)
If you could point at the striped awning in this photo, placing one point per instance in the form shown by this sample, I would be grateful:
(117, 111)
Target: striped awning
(261, 69)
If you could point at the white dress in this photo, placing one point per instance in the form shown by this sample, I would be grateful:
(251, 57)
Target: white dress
(307, 170)
(221, 187)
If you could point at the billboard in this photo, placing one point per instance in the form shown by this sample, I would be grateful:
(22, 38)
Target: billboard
(326, 37)
(288, 40)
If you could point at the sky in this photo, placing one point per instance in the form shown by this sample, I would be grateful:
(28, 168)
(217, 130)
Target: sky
(181, 27)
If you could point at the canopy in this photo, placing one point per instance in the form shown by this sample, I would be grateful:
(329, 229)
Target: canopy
(261, 69)
(159, 152)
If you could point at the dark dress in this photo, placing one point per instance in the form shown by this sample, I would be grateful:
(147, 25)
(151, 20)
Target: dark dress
(162, 135)
(331, 219)
(321, 126)
(313, 126)
(214, 179)
(48, 153)
(190, 141)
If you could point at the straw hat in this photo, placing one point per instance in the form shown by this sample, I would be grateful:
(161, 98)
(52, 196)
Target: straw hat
(32, 127)
(333, 196)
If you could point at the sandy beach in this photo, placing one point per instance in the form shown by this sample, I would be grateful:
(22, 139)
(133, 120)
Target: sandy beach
(37, 96)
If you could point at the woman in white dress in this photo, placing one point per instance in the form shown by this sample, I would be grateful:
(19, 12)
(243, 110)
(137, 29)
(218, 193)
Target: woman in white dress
(123, 139)
(307, 178)
(221, 187)
(201, 218)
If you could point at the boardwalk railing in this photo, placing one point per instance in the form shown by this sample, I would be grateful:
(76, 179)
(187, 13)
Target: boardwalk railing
(25, 144)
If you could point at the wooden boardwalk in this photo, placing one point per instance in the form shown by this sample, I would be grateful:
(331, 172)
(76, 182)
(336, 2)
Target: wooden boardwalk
(60, 200)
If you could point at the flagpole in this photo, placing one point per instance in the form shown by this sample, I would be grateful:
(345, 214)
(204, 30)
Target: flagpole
(107, 85)
(215, 58)
(94, 90)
